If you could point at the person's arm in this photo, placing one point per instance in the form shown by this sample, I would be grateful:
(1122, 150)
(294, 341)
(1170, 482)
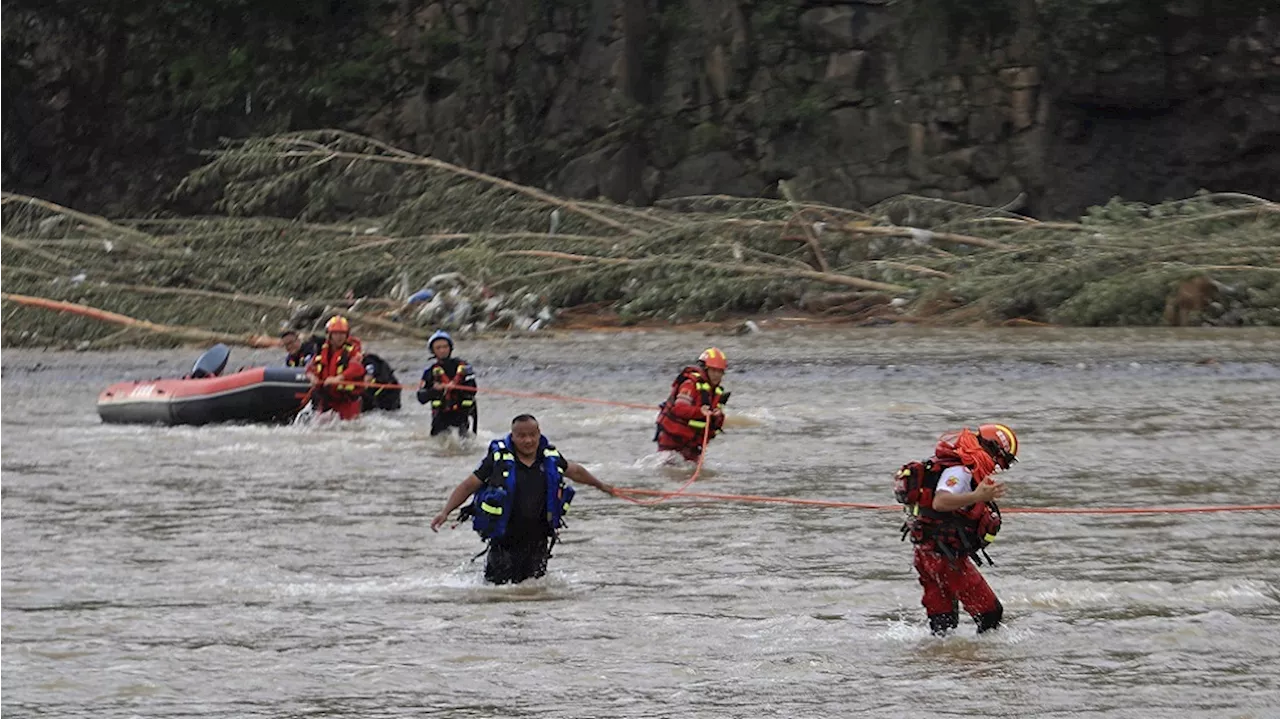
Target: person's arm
(582, 475)
(686, 404)
(947, 501)
(468, 487)
(466, 378)
(424, 387)
(355, 366)
(313, 369)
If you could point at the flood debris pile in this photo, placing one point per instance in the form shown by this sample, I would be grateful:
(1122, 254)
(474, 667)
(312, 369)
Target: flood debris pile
(293, 227)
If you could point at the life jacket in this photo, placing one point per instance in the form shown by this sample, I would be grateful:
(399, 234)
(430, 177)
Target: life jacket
(383, 398)
(690, 431)
(491, 507)
(338, 392)
(305, 353)
(964, 532)
(455, 400)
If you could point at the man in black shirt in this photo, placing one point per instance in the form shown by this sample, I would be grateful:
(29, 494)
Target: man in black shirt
(521, 549)
(300, 353)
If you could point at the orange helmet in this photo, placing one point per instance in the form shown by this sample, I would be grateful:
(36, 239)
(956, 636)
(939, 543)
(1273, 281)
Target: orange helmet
(1000, 442)
(337, 323)
(713, 358)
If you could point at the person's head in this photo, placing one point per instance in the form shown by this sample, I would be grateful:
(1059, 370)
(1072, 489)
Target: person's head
(441, 344)
(1000, 442)
(337, 329)
(289, 340)
(525, 434)
(713, 363)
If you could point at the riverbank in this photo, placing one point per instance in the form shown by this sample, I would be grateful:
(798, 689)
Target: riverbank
(298, 227)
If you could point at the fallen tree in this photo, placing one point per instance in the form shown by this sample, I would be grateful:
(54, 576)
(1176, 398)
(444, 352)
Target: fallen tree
(411, 243)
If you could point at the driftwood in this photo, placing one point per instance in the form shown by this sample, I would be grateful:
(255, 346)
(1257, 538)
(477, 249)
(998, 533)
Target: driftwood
(99, 222)
(924, 236)
(276, 302)
(325, 155)
(809, 236)
(27, 247)
(828, 277)
(187, 333)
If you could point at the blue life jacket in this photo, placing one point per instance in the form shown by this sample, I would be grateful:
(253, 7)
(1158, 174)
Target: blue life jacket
(492, 505)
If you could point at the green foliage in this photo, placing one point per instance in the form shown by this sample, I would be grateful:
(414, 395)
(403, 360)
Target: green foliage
(317, 214)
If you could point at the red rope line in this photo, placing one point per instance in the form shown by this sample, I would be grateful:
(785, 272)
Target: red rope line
(1003, 510)
(662, 496)
(522, 395)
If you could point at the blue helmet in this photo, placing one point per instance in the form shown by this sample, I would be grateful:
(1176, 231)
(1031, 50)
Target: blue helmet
(440, 335)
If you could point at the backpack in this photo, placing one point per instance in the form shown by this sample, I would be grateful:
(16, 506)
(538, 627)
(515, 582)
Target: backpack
(956, 533)
(915, 483)
(384, 398)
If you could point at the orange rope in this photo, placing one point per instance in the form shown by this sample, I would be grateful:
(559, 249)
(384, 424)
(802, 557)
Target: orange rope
(1145, 510)
(662, 496)
(759, 498)
(1003, 510)
(522, 395)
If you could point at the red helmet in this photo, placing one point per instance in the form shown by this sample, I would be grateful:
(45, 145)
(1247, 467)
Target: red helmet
(713, 358)
(337, 323)
(1000, 442)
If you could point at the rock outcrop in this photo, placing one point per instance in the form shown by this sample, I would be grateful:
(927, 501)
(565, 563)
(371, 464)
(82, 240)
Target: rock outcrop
(1046, 107)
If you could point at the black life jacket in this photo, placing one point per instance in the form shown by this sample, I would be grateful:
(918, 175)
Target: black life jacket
(964, 532)
(448, 371)
(379, 371)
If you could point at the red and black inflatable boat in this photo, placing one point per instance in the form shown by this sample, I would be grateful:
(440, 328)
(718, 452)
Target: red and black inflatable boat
(260, 394)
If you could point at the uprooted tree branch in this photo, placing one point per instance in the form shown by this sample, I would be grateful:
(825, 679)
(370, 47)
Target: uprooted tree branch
(304, 217)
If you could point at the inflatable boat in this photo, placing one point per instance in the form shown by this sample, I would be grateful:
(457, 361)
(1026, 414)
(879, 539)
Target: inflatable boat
(259, 394)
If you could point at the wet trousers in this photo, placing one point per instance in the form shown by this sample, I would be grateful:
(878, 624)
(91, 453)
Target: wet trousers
(689, 449)
(347, 409)
(442, 422)
(513, 560)
(950, 582)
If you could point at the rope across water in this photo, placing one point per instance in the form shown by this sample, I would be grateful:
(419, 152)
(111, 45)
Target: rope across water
(658, 496)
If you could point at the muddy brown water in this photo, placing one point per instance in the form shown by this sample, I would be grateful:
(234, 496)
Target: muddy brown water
(250, 571)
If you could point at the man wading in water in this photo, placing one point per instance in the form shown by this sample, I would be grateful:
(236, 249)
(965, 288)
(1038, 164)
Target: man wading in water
(951, 517)
(519, 501)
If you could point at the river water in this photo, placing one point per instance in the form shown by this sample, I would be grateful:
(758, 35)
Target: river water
(247, 571)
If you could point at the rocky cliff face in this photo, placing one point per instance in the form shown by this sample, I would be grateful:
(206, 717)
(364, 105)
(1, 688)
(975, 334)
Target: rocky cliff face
(1051, 105)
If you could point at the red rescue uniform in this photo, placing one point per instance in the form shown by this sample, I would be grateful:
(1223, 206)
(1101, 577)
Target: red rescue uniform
(681, 424)
(347, 362)
(947, 543)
